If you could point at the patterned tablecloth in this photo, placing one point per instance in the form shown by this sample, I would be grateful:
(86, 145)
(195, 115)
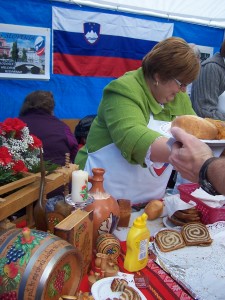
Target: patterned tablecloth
(161, 285)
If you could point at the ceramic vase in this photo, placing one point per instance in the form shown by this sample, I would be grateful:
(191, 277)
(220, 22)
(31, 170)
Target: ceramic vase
(105, 208)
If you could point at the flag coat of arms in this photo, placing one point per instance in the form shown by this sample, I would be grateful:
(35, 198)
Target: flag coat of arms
(102, 44)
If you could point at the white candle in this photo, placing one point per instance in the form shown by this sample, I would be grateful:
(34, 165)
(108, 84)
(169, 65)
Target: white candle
(79, 191)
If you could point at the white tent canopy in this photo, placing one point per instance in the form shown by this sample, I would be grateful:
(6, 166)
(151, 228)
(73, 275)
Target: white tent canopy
(204, 12)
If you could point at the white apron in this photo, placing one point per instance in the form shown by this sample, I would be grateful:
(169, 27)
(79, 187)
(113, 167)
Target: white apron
(123, 180)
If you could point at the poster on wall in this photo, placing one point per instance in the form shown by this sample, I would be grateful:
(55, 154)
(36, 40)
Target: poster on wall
(24, 52)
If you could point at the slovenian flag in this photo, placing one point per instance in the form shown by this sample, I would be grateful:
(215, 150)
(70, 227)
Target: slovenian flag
(101, 44)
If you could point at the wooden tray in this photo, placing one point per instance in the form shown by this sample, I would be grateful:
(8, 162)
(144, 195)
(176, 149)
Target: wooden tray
(28, 178)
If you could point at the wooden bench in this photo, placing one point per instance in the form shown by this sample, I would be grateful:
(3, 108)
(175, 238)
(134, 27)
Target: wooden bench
(72, 123)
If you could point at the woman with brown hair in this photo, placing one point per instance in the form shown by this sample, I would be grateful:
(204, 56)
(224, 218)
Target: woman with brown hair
(37, 112)
(128, 137)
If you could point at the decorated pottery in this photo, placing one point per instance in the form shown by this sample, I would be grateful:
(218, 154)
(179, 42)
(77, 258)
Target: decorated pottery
(107, 243)
(105, 208)
(37, 265)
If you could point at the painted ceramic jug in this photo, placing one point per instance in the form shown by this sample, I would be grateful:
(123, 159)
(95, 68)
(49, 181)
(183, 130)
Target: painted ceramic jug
(105, 208)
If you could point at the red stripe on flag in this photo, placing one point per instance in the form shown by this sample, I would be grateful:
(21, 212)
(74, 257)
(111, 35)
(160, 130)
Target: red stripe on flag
(93, 65)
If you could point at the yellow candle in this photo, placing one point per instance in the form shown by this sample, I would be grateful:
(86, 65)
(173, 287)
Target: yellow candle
(79, 186)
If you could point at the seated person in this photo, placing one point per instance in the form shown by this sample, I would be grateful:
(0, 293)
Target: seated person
(56, 136)
(82, 129)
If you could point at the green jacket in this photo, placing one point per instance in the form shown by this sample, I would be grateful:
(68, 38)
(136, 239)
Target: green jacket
(123, 116)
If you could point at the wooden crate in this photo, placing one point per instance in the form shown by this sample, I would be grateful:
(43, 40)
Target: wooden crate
(20, 196)
(10, 187)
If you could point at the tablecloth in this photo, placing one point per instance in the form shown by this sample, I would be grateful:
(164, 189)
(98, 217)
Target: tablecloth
(162, 286)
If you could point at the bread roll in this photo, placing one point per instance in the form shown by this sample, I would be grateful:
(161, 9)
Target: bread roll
(199, 127)
(154, 209)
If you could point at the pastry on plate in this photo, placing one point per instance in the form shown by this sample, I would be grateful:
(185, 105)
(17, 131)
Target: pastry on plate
(118, 284)
(128, 292)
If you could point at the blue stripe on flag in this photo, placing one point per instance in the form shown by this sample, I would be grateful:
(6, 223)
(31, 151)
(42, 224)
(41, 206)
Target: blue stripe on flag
(107, 45)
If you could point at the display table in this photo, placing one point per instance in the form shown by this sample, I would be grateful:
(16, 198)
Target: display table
(161, 285)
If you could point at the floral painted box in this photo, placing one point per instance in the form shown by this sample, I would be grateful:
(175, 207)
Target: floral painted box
(77, 229)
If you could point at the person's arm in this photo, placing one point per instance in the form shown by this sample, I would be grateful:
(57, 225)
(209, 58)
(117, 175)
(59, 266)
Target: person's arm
(216, 174)
(159, 150)
(188, 156)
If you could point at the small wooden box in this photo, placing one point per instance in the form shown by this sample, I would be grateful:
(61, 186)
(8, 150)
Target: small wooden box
(77, 229)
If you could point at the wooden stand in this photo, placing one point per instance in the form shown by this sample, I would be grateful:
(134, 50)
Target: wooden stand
(26, 195)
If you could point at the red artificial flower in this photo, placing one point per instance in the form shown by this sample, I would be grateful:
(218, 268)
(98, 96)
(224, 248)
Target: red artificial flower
(5, 156)
(12, 124)
(19, 166)
(37, 142)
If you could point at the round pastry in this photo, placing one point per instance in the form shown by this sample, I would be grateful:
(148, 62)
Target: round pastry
(181, 217)
(154, 209)
(176, 221)
(187, 217)
(191, 210)
(197, 126)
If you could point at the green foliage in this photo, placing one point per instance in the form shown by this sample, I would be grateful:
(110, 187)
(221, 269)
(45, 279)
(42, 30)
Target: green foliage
(49, 167)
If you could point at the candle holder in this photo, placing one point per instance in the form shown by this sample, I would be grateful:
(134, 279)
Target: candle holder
(77, 205)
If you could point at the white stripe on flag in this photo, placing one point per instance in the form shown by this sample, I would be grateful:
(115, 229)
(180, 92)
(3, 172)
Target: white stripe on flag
(111, 24)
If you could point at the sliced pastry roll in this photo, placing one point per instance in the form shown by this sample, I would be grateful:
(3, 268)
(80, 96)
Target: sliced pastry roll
(168, 240)
(196, 234)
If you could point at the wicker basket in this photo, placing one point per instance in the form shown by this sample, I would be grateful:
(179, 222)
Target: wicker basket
(209, 215)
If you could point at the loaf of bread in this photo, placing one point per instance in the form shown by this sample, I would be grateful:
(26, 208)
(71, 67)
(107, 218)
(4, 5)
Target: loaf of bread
(196, 234)
(168, 240)
(197, 126)
(154, 209)
(220, 125)
(125, 212)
